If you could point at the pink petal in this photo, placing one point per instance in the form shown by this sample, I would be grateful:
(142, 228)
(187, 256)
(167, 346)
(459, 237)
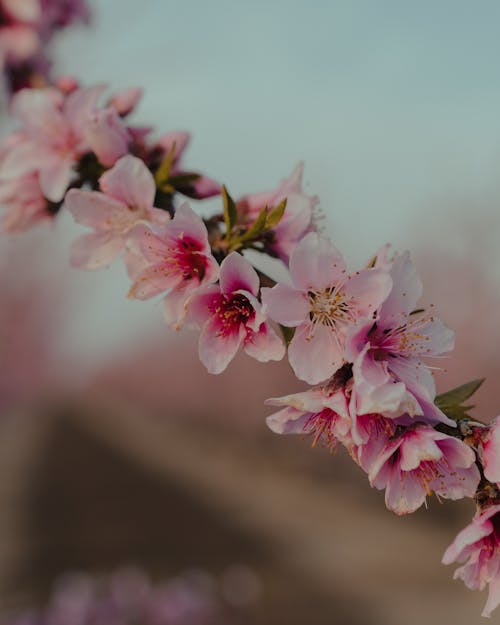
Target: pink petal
(95, 250)
(493, 596)
(175, 308)
(204, 187)
(216, 349)
(236, 274)
(286, 305)
(167, 141)
(93, 209)
(38, 109)
(55, 177)
(369, 288)
(130, 182)
(202, 303)
(265, 344)
(107, 136)
(316, 264)
(79, 105)
(407, 288)
(314, 354)
(287, 421)
(186, 223)
(153, 280)
(404, 493)
(126, 101)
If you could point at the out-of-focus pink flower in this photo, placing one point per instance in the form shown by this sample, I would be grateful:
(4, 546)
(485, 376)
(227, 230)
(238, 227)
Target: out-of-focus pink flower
(477, 548)
(67, 84)
(389, 374)
(26, 28)
(323, 303)
(54, 130)
(191, 184)
(107, 136)
(125, 101)
(177, 259)
(127, 197)
(231, 316)
(421, 461)
(297, 219)
(489, 449)
(322, 412)
(25, 203)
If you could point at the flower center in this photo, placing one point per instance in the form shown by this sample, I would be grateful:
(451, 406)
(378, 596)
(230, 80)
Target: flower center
(232, 311)
(330, 307)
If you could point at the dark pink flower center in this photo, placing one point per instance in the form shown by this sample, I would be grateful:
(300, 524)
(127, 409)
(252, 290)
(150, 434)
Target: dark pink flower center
(190, 259)
(232, 311)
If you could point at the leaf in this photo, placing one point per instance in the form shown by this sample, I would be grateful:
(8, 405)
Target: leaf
(451, 402)
(459, 394)
(163, 172)
(230, 211)
(257, 228)
(274, 215)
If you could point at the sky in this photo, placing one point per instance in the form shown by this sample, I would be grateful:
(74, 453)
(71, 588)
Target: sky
(392, 105)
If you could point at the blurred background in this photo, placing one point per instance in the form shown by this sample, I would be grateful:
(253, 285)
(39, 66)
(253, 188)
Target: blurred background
(117, 448)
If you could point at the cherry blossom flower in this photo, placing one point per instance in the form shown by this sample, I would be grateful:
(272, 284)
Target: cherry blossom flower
(57, 130)
(420, 461)
(323, 303)
(489, 449)
(175, 258)
(297, 219)
(387, 353)
(127, 196)
(231, 317)
(322, 412)
(477, 548)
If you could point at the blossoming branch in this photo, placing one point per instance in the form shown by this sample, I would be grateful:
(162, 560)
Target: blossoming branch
(359, 338)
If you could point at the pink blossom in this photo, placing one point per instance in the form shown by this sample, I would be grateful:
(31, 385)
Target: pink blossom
(177, 258)
(322, 303)
(489, 449)
(25, 204)
(231, 317)
(127, 197)
(298, 215)
(390, 376)
(54, 129)
(107, 136)
(420, 461)
(477, 548)
(126, 101)
(322, 412)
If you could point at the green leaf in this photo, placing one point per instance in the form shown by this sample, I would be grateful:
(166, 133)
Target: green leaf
(274, 216)
(163, 172)
(451, 402)
(459, 394)
(230, 211)
(257, 228)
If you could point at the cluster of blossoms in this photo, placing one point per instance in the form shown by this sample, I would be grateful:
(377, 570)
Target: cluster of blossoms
(26, 28)
(128, 597)
(357, 338)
